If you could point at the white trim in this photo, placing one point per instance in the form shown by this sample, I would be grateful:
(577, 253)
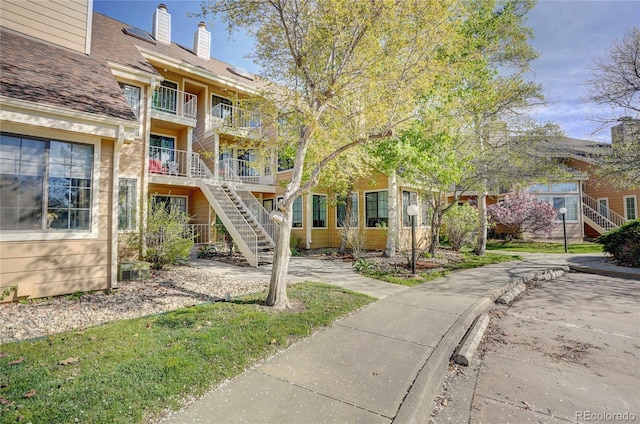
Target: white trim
(40, 115)
(402, 191)
(635, 205)
(93, 232)
(121, 71)
(326, 212)
(88, 29)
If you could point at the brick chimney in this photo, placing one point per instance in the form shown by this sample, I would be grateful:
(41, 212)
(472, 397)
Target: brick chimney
(628, 130)
(162, 25)
(202, 42)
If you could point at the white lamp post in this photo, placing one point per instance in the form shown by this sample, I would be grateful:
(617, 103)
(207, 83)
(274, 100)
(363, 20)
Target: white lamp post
(563, 211)
(412, 210)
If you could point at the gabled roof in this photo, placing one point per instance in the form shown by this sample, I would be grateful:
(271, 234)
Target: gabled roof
(43, 73)
(111, 42)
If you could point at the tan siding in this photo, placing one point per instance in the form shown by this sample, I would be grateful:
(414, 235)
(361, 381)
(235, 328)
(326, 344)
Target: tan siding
(48, 268)
(199, 208)
(131, 160)
(61, 23)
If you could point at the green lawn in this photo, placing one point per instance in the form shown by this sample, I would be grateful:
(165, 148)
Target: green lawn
(468, 261)
(541, 247)
(129, 371)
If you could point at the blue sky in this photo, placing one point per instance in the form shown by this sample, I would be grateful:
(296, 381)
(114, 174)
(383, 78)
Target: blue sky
(569, 34)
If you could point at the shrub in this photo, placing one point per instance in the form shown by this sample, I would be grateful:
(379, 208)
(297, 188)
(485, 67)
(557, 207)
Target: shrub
(623, 243)
(459, 225)
(166, 239)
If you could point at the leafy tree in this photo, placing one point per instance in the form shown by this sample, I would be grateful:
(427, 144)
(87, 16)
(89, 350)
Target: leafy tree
(460, 222)
(353, 72)
(522, 213)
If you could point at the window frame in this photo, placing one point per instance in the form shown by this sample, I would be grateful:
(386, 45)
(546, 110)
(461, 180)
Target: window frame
(171, 196)
(130, 205)
(413, 197)
(355, 216)
(635, 206)
(279, 199)
(366, 209)
(605, 205)
(94, 213)
(313, 211)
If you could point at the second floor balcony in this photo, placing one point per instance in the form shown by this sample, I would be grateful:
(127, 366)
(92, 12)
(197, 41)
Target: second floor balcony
(237, 121)
(172, 103)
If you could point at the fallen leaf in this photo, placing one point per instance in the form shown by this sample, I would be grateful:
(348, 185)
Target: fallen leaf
(4, 401)
(68, 361)
(17, 361)
(21, 418)
(3, 354)
(29, 394)
(273, 341)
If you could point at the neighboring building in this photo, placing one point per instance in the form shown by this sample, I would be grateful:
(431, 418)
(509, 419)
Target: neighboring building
(100, 120)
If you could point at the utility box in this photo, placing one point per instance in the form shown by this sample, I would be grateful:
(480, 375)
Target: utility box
(136, 270)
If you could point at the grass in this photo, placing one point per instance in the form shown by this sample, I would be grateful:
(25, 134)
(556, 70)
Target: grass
(130, 371)
(542, 247)
(468, 261)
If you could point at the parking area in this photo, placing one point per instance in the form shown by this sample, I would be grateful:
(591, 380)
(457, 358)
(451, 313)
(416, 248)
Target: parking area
(567, 351)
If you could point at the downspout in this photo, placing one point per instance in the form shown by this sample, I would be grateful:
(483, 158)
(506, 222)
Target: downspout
(309, 219)
(144, 183)
(115, 193)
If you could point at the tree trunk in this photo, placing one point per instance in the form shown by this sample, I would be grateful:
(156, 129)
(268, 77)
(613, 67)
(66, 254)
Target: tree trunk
(346, 225)
(481, 243)
(436, 223)
(392, 225)
(278, 286)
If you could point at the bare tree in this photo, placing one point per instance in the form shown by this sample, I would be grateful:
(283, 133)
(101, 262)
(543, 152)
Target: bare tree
(616, 78)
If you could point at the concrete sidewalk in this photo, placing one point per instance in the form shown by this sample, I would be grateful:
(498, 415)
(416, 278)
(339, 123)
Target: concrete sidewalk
(383, 364)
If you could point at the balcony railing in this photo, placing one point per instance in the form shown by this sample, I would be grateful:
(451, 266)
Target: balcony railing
(175, 102)
(247, 122)
(177, 163)
(248, 172)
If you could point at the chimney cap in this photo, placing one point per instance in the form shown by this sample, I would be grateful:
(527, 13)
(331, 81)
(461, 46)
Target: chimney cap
(163, 7)
(202, 25)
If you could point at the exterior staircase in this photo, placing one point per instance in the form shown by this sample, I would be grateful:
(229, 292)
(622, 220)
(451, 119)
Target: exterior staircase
(241, 213)
(601, 222)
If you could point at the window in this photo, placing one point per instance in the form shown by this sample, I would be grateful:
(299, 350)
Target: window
(376, 208)
(132, 96)
(165, 98)
(161, 151)
(408, 198)
(268, 204)
(45, 185)
(220, 107)
(127, 204)
(341, 211)
(571, 203)
(319, 211)
(538, 188)
(171, 202)
(603, 207)
(630, 207)
(563, 187)
(297, 213)
(426, 211)
(296, 221)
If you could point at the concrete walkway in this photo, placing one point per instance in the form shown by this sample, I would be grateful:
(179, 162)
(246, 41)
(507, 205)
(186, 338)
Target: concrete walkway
(383, 364)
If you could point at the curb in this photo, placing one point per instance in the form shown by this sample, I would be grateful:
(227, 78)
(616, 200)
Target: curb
(605, 272)
(418, 403)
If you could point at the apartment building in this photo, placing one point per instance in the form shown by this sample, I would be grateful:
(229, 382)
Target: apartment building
(101, 120)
